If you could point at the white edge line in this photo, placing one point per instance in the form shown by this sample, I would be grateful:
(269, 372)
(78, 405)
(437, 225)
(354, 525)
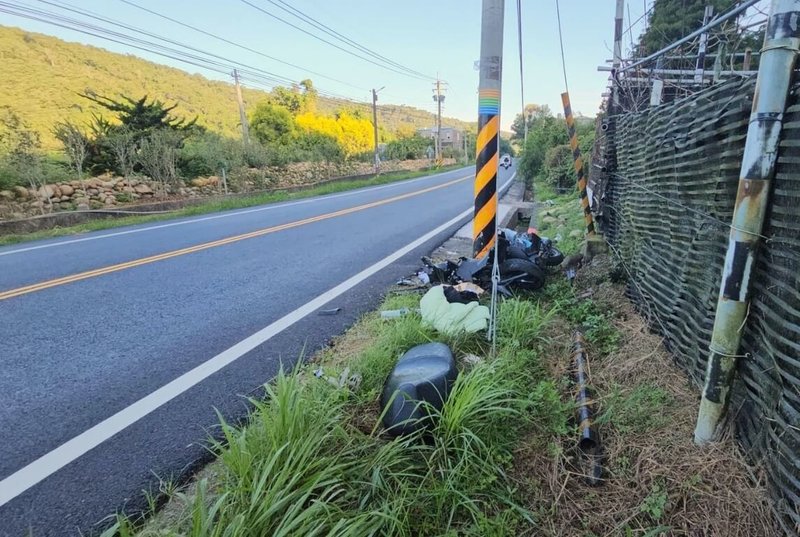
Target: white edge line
(226, 214)
(51, 462)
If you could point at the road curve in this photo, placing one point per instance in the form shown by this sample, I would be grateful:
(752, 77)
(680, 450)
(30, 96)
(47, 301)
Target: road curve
(118, 346)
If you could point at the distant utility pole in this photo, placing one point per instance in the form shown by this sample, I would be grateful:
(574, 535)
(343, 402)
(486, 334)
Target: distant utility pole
(375, 127)
(242, 114)
(466, 155)
(439, 98)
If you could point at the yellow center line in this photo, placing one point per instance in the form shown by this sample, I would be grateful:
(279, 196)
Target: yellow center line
(11, 293)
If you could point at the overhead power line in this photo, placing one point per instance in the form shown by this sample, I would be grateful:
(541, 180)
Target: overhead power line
(243, 47)
(334, 45)
(337, 35)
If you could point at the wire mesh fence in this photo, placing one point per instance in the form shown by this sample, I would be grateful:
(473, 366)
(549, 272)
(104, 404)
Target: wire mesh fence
(665, 191)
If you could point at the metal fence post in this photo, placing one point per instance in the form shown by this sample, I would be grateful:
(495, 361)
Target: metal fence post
(781, 45)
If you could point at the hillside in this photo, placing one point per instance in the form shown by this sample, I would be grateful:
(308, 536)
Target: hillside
(43, 75)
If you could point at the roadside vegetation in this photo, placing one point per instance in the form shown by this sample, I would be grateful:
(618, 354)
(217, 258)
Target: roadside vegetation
(501, 459)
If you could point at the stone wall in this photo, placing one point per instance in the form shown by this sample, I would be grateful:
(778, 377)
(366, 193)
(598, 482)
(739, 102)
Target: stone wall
(108, 191)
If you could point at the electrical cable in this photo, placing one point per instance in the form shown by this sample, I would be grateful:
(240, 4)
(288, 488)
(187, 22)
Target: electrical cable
(521, 77)
(334, 45)
(337, 35)
(561, 43)
(243, 47)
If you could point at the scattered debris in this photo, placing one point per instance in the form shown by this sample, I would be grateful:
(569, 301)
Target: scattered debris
(451, 318)
(393, 314)
(333, 311)
(469, 286)
(423, 376)
(471, 360)
(454, 296)
(423, 277)
(405, 281)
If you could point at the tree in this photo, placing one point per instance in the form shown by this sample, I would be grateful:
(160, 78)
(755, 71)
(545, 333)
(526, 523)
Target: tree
(272, 124)
(142, 117)
(123, 146)
(139, 118)
(411, 147)
(673, 19)
(21, 150)
(505, 147)
(158, 156)
(534, 113)
(76, 146)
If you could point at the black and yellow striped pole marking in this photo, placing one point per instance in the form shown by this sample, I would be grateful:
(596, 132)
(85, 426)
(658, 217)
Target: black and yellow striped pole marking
(486, 157)
(578, 161)
(484, 224)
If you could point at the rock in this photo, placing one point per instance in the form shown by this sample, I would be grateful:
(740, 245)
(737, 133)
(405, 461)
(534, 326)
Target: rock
(67, 190)
(576, 233)
(93, 192)
(75, 184)
(82, 206)
(21, 192)
(46, 192)
(107, 184)
(6, 195)
(593, 246)
(142, 188)
(128, 189)
(65, 198)
(37, 203)
(110, 200)
(549, 220)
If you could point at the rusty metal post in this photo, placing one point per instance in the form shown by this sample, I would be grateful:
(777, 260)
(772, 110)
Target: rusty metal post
(781, 45)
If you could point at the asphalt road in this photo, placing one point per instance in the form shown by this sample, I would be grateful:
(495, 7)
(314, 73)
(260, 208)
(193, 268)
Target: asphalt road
(117, 346)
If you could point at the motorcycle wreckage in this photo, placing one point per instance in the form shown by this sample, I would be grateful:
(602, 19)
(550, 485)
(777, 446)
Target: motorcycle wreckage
(522, 258)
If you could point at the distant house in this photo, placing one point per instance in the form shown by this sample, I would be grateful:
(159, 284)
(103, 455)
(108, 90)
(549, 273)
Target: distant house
(450, 137)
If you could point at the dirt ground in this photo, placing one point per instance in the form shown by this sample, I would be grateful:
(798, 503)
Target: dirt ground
(655, 480)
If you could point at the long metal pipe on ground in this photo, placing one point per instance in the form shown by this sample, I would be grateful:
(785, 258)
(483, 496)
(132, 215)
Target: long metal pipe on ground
(589, 440)
(781, 46)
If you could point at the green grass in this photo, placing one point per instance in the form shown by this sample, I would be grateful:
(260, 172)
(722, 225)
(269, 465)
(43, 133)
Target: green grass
(635, 410)
(221, 205)
(306, 464)
(567, 212)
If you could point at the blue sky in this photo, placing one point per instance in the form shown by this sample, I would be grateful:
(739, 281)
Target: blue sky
(430, 36)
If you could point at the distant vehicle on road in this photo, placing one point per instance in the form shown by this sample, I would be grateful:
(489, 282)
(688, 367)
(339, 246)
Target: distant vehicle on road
(505, 161)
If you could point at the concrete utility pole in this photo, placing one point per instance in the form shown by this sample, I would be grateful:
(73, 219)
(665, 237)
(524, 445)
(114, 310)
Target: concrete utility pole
(617, 51)
(701, 52)
(439, 98)
(487, 145)
(375, 128)
(242, 114)
(775, 69)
